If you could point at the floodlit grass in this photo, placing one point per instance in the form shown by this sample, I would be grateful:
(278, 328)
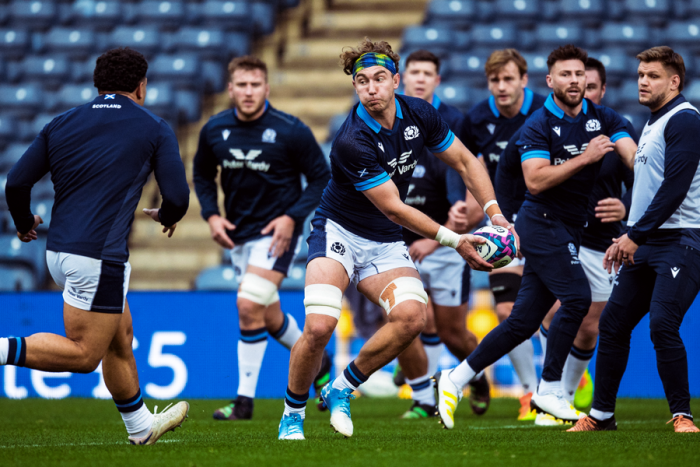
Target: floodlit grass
(80, 432)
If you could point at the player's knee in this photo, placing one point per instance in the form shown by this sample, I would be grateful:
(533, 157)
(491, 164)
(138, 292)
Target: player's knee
(123, 340)
(578, 302)
(317, 333)
(87, 362)
(404, 289)
(663, 332)
(256, 291)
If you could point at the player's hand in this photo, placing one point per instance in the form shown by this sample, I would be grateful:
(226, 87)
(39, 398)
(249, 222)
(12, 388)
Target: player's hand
(218, 226)
(625, 251)
(467, 250)
(283, 227)
(501, 221)
(31, 235)
(597, 148)
(609, 259)
(457, 219)
(610, 210)
(153, 214)
(422, 248)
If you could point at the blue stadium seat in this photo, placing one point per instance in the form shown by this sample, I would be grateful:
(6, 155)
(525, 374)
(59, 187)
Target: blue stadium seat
(263, 18)
(232, 16)
(42, 208)
(146, 39)
(588, 12)
(189, 105)
(82, 71)
(31, 255)
(214, 76)
(165, 13)
(43, 191)
(23, 100)
(14, 42)
(160, 99)
(633, 36)
(495, 36)
(10, 156)
(618, 64)
(208, 42)
(692, 93)
(467, 65)
(629, 94)
(536, 68)
(180, 69)
(454, 93)
(684, 33)
(436, 39)
(8, 128)
(216, 278)
(71, 41)
(49, 70)
(296, 277)
(32, 14)
(454, 13)
(98, 14)
(554, 35)
(651, 11)
(73, 95)
(238, 43)
(520, 11)
(16, 279)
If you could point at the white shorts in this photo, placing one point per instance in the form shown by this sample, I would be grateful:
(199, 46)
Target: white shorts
(600, 281)
(445, 276)
(88, 283)
(360, 257)
(257, 253)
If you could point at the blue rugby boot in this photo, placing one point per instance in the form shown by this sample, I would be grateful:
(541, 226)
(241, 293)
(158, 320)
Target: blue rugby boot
(338, 401)
(291, 427)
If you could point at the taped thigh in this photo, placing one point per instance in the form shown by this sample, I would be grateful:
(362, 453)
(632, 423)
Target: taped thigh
(258, 290)
(323, 299)
(401, 289)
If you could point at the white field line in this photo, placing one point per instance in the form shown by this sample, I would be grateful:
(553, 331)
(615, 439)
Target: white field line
(59, 445)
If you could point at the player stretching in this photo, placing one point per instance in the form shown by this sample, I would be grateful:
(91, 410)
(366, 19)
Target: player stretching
(561, 148)
(357, 230)
(660, 272)
(100, 155)
(487, 129)
(606, 208)
(262, 153)
(434, 190)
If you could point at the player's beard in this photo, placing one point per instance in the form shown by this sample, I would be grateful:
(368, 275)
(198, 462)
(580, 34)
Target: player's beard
(653, 101)
(563, 96)
(251, 113)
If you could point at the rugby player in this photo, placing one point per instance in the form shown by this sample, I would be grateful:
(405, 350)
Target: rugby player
(357, 235)
(561, 147)
(659, 254)
(487, 129)
(100, 155)
(263, 154)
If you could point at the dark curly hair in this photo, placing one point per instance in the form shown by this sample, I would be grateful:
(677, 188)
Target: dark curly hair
(566, 52)
(119, 69)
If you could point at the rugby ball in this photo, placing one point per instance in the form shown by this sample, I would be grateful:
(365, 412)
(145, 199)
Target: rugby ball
(500, 247)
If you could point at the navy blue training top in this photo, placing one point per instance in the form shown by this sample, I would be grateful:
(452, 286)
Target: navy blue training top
(510, 184)
(100, 155)
(486, 132)
(365, 155)
(261, 166)
(551, 134)
(435, 186)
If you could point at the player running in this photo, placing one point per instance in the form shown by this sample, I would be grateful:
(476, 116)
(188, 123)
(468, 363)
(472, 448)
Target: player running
(435, 189)
(660, 272)
(262, 153)
(561, 148)
(357, 236)
(100, 155)
(487, 129)
(606, 208)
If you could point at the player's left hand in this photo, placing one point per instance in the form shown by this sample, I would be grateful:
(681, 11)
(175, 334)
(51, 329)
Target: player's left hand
(457, 219)
(625, 251)
(610, 258)
(283, 227)
(500, 220)
(31, 235)
(422, 248)
(153, 214)
(610, 210)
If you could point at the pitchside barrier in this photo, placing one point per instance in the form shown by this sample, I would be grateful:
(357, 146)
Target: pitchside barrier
(185, 347)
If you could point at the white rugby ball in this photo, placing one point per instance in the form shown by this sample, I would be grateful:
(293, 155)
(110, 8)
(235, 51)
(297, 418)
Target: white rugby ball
(500, 248)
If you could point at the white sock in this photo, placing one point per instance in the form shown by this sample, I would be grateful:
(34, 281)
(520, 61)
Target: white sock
(598, 415)
(523, 359)
(548, 387)
(138, 423)
(571, 376)
(462, 374)
(433, 352)
(687, 415)
(289, 333)
(423, 391)
(543, 341)
(250, 357)
(290, 410)
(341, 382)
(4, 350)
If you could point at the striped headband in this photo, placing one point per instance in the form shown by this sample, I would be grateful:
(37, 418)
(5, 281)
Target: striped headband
(369, 59)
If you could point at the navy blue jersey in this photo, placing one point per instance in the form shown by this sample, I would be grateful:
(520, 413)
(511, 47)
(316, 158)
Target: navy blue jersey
(261, 166)
(510, 184)
(365, 155)
(613, 173)
(452, 115)
(552, 135)
(486, 132)
(100, 155)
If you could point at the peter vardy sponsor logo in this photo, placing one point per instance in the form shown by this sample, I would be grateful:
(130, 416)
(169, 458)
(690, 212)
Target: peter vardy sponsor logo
(246, 160)
(640, 159)
(575, 151)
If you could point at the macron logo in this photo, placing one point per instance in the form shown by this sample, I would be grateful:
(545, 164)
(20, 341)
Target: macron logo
(675, 271)
(557, 130)
(226, 134)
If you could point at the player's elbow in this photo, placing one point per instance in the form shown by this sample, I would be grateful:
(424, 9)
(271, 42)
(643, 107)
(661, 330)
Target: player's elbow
(394, 213)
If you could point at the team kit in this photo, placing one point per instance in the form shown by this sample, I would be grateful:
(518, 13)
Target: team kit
(583, 226)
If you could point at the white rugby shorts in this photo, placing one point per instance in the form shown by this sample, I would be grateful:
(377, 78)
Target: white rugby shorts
(88, 283)
(600, 281)
(445, 275)
(257, 253)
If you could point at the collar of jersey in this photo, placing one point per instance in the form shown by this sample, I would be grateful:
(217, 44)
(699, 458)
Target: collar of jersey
(524, 109)
(267, 106)
(553, 108)
(670, 105)
(371, 122)
(436, 101)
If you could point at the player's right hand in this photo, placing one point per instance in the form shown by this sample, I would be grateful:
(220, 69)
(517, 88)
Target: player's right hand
(597, 148)
(457, 219)
(467, 250)
(31, 235)
(218, 226)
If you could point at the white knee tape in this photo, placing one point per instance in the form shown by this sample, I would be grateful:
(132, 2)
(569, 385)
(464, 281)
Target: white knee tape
(323, 299)
(258, 290)
(402, 289)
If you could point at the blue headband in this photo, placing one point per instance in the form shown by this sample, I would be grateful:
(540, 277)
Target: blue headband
(373, 59)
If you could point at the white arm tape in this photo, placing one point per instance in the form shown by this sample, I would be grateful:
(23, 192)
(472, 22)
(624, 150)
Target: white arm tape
(323, 299)
(489, 204)
(401, 289)
(258, 290)
(446, 237)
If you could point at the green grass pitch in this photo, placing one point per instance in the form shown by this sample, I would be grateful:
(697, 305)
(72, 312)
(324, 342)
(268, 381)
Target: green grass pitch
(80, 432)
